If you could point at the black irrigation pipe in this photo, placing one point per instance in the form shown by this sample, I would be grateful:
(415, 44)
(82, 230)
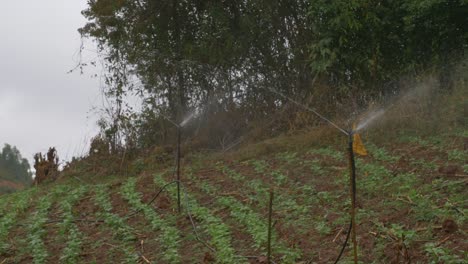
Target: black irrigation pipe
(345, 242)
(152, 199)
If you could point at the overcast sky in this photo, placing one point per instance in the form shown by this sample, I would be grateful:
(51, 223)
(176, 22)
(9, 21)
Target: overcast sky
(40, 104)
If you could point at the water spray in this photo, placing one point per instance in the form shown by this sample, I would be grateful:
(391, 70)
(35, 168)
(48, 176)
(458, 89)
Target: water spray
(371, 117)
(351, 134)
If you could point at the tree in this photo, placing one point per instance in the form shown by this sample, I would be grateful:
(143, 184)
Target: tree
(177, 55)
(187, 53)
(13, 167)
(367, 43)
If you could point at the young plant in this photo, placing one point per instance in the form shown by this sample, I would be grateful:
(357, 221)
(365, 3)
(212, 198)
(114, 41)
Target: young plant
(254, 223)
(122, 231)
(68, 228)
(257, 227)
(329, 152)
(170, 236)
(19, 202)
(438, 254)
(36, 231)
(288, 157)
(219, 232)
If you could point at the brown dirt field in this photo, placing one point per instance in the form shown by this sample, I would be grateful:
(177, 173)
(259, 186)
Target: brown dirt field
(240, 238)
(98, 240)
(191, 251)
(54, 243)
(16, 253)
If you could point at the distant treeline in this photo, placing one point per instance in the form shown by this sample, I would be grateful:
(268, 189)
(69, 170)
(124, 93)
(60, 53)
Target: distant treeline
(181, 55)
(14, 169)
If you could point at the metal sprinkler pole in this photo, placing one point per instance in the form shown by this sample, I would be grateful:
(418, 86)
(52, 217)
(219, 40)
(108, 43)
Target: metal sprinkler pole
(178, 167)
(352, 170)
(270, 213)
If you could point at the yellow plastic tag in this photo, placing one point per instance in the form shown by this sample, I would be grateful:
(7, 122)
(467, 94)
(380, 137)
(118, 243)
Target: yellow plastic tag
(358, 146)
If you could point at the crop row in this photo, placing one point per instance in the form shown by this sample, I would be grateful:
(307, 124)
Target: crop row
(170, 235)
(254, 222)
(218, 231)
(68, 228)
(36, 230)
(121, 230)
(18, 204)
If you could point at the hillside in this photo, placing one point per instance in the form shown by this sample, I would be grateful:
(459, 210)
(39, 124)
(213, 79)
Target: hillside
(411, 208)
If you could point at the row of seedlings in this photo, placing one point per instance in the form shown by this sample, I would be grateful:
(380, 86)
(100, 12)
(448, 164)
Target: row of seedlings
(170, 235)
(36, 229)
(428, 204)
(17, 203)
(219, 232)
(253, 222)
(117, 224)
(295, 213)
(68, 229)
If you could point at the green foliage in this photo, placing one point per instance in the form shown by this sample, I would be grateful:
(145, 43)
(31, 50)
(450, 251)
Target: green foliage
(259, 165)
(219, 232)
(13, 166)
(438, 254)
(257, 227)
(322, 227)
(288, 157)
(457, 155)
(122, 231)
(18, 204)
(375, 177)
(170, 235)
(316, 168)
(68, 229)
(381, 154)
(230, 53)
(329, 152)
(362, 43)
(36, 231)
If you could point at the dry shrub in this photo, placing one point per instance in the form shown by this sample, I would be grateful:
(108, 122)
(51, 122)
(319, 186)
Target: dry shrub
(46, 166)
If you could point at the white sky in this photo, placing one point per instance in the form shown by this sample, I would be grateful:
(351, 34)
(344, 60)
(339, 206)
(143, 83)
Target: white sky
(40, 104)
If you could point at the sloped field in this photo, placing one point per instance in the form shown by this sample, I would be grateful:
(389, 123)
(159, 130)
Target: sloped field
(411, 209)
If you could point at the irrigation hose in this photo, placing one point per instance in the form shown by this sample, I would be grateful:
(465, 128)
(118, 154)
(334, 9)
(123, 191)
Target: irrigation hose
(152, 200)
(351, 228)
(345, 242)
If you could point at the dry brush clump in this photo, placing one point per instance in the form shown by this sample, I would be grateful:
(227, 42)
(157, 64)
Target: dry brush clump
(46, 166)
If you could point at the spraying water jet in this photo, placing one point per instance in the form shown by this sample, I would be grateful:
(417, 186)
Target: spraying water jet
(369, 119)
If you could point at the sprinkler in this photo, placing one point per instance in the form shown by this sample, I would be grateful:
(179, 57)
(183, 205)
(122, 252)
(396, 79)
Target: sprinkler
(179, 137)
(353, 139)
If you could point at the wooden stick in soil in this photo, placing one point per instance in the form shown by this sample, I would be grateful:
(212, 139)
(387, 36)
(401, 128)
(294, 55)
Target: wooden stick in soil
(178, 168)
(270, 212)
(352, 168)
